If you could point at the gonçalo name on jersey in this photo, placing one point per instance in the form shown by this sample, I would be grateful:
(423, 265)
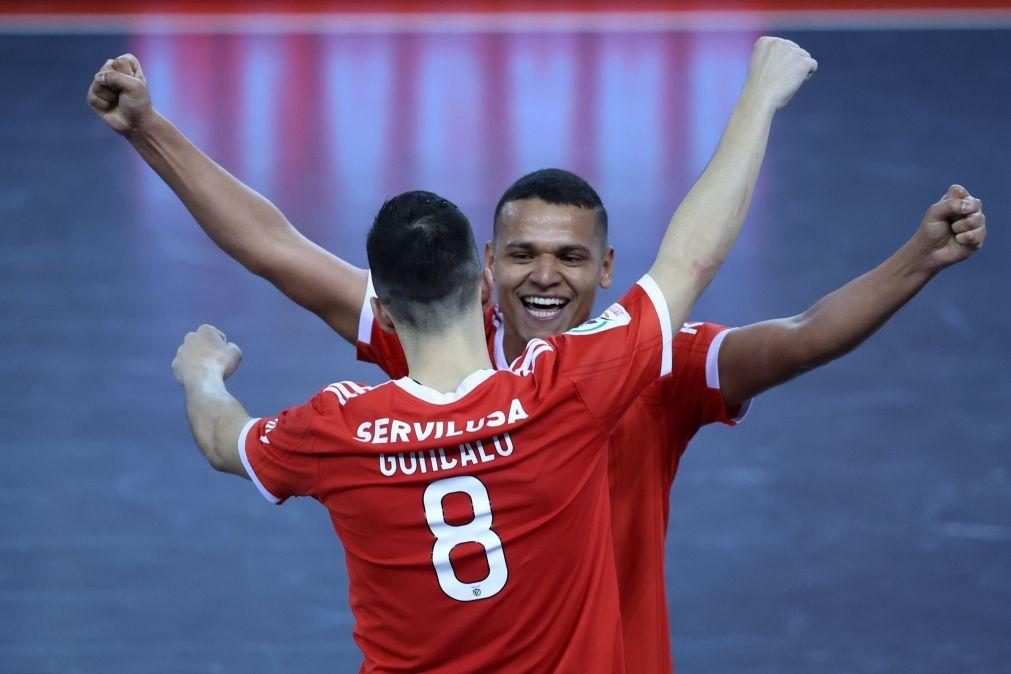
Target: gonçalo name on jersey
(436, 460)
(391, 431)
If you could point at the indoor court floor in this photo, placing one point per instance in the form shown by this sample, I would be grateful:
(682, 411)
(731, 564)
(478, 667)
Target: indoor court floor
(859, 520)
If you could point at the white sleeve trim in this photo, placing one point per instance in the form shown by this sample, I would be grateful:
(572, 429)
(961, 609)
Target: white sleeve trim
(656, 296)
(249, 469)
(713, 371)
(713, 360)
(365, 317)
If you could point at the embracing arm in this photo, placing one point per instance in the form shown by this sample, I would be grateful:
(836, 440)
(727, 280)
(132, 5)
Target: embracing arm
(216, 418)
(757, 357)
(709, 219)
(240, 221)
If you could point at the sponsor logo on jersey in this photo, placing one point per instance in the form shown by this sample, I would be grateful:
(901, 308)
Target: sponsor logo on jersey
(614, 317)
(392, 431)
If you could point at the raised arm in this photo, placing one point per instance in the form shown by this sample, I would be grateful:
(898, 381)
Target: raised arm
(201, 365)
(757, 357)
(242, 222)
(709, 219)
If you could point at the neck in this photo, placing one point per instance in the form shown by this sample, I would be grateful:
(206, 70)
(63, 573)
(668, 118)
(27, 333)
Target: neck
(442, 360)
(512, 343)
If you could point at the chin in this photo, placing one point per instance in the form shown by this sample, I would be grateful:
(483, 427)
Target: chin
(544, 329)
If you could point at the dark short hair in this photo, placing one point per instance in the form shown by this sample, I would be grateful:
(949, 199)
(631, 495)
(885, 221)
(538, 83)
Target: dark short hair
(424, 263)
(555, 186)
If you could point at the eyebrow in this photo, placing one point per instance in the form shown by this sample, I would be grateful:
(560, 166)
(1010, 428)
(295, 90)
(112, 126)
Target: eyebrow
(567, 249)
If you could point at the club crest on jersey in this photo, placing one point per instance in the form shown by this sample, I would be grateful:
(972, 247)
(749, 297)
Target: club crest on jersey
(614, 317)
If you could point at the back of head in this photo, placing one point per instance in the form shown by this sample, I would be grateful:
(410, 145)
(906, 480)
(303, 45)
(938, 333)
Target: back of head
(424, 263)
(558, 187)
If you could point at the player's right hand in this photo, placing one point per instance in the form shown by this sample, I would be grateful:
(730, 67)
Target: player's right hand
(778, 68)
(206, 352)
(118, 94)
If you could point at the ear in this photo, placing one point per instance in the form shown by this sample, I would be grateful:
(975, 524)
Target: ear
(382, 316)
(607, 268)
(489, 255)
(487, 288)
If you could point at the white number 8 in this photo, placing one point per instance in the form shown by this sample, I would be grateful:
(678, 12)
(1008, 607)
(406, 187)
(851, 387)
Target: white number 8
(477, 531)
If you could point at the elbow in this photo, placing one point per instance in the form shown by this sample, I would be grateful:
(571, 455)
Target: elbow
(703, 271)
(257, 266)
(216, 461)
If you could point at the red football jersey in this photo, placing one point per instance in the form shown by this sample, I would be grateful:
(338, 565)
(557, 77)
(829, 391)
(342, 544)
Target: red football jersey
(476, 524)
(644, 453)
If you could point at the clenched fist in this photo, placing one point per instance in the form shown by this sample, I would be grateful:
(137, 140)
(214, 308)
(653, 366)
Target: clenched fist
(778, 68)
(119, 95)
(953, 229)
(205, 352)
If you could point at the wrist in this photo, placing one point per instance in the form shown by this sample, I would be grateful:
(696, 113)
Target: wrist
(916, 259)
(202, 376)
(146, 127)
(754, 102)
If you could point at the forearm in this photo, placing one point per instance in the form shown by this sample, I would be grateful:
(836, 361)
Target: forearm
(842, 320)
(709, 219)
(758, 357)
(216, 419)
(239, 220)
(250, 229)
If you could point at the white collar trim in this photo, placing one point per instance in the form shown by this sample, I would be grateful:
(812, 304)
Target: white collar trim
(430, 395)
(498, 350)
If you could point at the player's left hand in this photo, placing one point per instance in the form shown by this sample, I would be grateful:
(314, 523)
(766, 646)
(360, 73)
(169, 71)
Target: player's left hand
(953, 229)
(206, 352)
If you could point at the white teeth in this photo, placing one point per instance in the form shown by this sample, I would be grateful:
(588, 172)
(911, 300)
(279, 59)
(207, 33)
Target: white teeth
(544, 308)
(545, 301)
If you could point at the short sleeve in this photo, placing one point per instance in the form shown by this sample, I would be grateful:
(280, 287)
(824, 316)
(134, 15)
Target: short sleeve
(612, 358)
(693, 395)
(375, 345)
(279, 453)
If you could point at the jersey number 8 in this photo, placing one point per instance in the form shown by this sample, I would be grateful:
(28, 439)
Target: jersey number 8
(478, 530)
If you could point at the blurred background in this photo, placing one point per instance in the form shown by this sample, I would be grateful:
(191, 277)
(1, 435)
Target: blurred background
(858, 521)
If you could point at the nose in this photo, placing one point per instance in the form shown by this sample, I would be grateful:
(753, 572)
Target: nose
(545, 273)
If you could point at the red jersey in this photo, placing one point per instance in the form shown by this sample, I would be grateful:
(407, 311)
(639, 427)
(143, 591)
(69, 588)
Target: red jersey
(644, 453)
(476, 524)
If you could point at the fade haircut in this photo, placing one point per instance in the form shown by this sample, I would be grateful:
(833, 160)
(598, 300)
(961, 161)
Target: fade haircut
(425, 267)
(555, 186)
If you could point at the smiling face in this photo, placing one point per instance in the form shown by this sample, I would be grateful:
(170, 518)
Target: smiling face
(547, 261)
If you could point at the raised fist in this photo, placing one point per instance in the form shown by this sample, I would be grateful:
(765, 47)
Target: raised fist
(778, 68)
(119, 95)
(952, 229)
(205, 352)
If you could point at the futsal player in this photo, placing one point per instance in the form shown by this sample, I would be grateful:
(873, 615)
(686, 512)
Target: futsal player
(555, 214)
(472, 503)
